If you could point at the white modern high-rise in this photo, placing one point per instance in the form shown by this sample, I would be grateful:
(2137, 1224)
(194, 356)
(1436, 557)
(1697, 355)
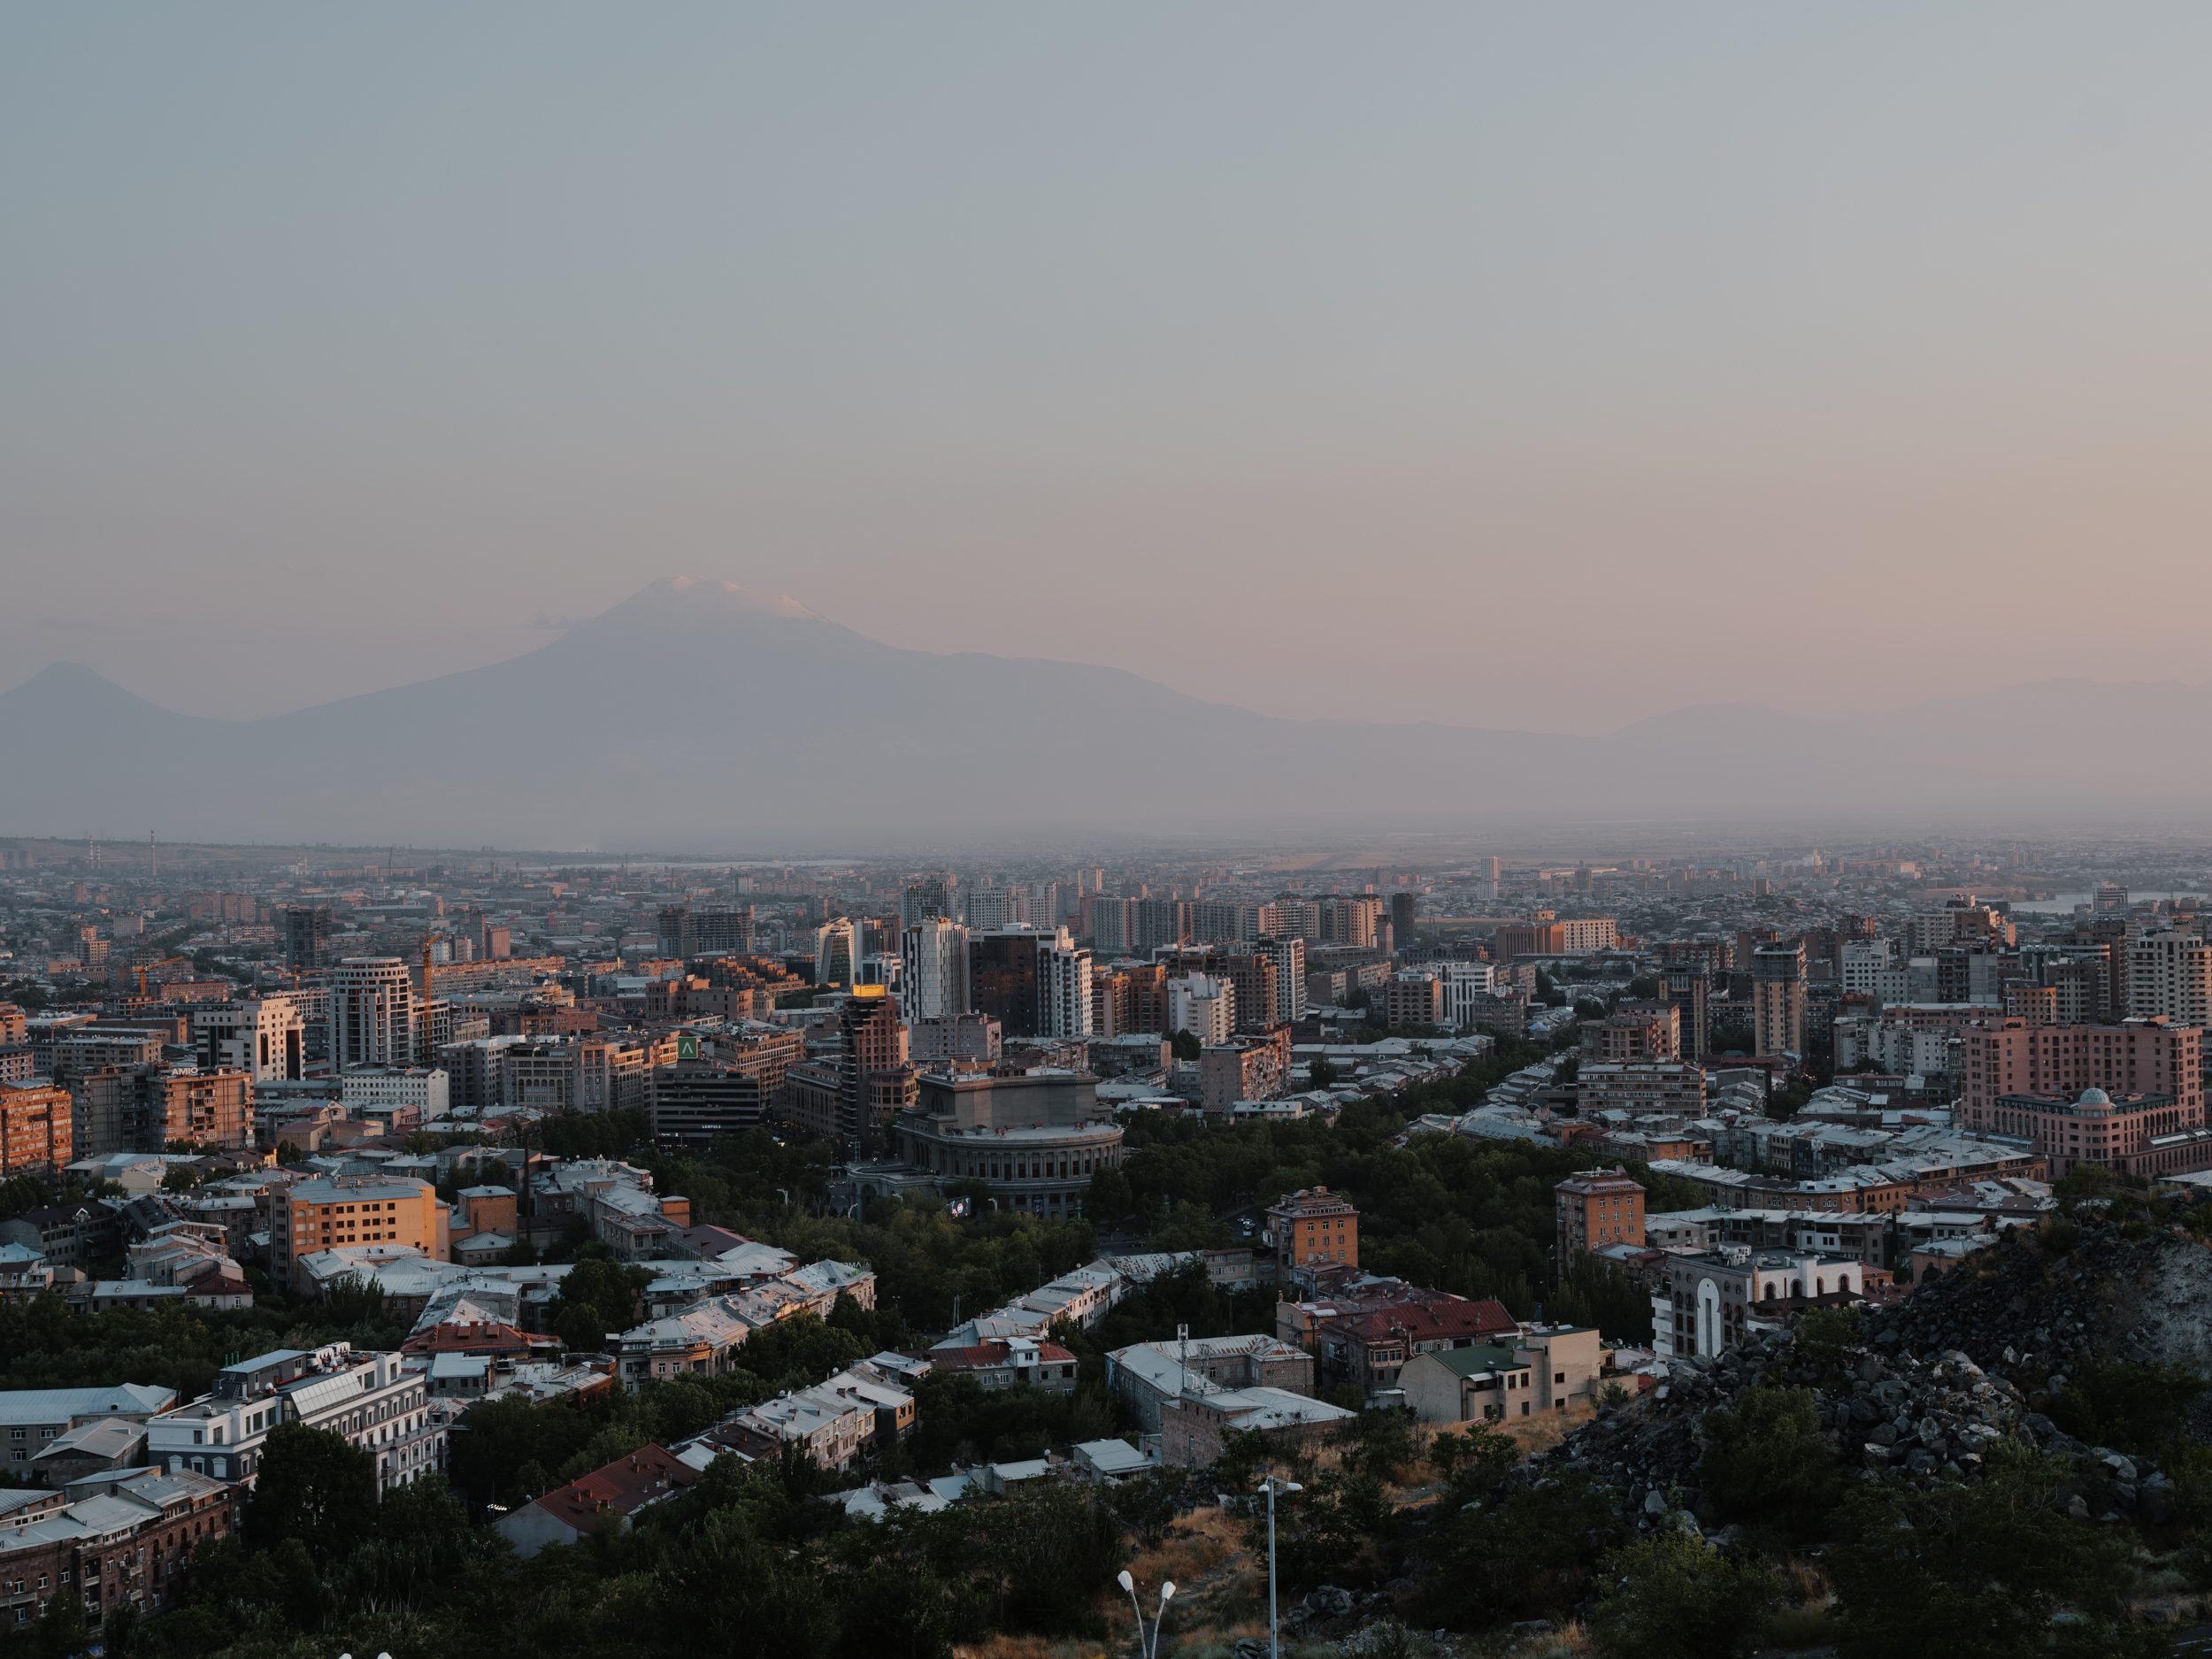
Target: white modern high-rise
(934, 969)
(1863, 960)
(1064, 984)
(1203, 1006)
(987, 907)
(372, 1013)
(2170, 974)
(1290, 977)
(1465, 983)
(262, 1036)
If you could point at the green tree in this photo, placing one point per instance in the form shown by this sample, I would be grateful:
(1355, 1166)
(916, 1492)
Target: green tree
(1475, 1463)
(1980, 1572)
(1531, 1554)
(313, 1486)
(598, 1295)
(1672, 1595)
(2136, 1407)
(1767, 1462)
(1109, 1198)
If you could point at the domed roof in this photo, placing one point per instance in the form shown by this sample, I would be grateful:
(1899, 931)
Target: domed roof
(2094, 1097)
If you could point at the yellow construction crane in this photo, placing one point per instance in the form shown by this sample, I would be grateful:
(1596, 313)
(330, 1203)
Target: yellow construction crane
(145, 968)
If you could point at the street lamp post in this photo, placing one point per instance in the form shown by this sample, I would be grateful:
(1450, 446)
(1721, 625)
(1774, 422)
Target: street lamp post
(1147, 1649)
(1271, 1485)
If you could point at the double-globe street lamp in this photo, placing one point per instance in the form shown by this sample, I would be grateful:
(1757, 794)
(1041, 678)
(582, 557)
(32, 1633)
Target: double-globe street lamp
(1148, 1649)
(1271, 1485)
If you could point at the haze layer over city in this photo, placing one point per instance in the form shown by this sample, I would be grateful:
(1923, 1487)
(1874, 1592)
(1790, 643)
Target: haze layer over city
(971, 831)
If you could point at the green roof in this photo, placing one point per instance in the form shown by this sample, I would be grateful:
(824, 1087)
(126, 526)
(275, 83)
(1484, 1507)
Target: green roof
(1466, 1362)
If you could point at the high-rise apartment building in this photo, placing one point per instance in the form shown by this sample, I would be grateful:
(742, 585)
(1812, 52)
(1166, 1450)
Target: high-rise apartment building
(1687, 988)
(837, 953)
(708, 931)
(1066, 978)
(1160, 922)
(2169, 974)
(1634, 1030)
(1862, 961)
(1290, 976)
(200, 1108)
(266, 1037)
(304, 931)
(961, 1037)
(1220, 922)
(372, 1013)
(1203, 1005)
(927, 898)
(1352, 921)
(987, 907)
(1035, 983)
(1259, 988)
(34, 1128)
(1414, 999)
(851, 1093)
(1778, 999)
(932, 970)
(1110, 924)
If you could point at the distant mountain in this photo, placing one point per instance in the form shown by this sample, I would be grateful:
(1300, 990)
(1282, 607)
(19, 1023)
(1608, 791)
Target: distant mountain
(697, 714)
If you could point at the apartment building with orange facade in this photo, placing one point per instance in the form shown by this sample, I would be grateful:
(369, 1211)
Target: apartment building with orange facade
(1312, 1227)
(1598, 1207)
(204, 1108)
(35, 1127)
(325, 1215)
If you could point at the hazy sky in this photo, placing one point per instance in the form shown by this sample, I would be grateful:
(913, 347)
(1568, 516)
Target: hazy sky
(1496, 365)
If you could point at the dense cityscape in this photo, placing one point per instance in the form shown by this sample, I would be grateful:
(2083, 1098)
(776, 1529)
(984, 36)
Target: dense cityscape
(982, 831)
(402, 1244)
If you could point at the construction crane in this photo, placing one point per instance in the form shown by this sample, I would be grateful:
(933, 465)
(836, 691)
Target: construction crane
(145, 968)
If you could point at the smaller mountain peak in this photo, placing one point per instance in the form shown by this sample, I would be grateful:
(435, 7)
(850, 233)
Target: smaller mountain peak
(65, 677)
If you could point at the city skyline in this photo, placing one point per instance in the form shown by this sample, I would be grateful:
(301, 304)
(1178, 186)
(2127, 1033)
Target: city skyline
(807, 813)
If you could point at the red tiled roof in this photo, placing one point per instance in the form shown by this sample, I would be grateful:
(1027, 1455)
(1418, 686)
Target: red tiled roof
(982, 1355)
(1430, 1321)
(625, 1485)
(472, 1337)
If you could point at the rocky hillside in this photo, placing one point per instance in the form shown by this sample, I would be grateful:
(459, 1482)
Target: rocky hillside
(1927, 1385)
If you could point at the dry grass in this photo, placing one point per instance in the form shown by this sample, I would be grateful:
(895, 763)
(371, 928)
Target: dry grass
(1193, 1547)
(1037, 1647)
(1221, 1587)
(1536, 1434)
(1569, 1641)
(1219, 1596)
